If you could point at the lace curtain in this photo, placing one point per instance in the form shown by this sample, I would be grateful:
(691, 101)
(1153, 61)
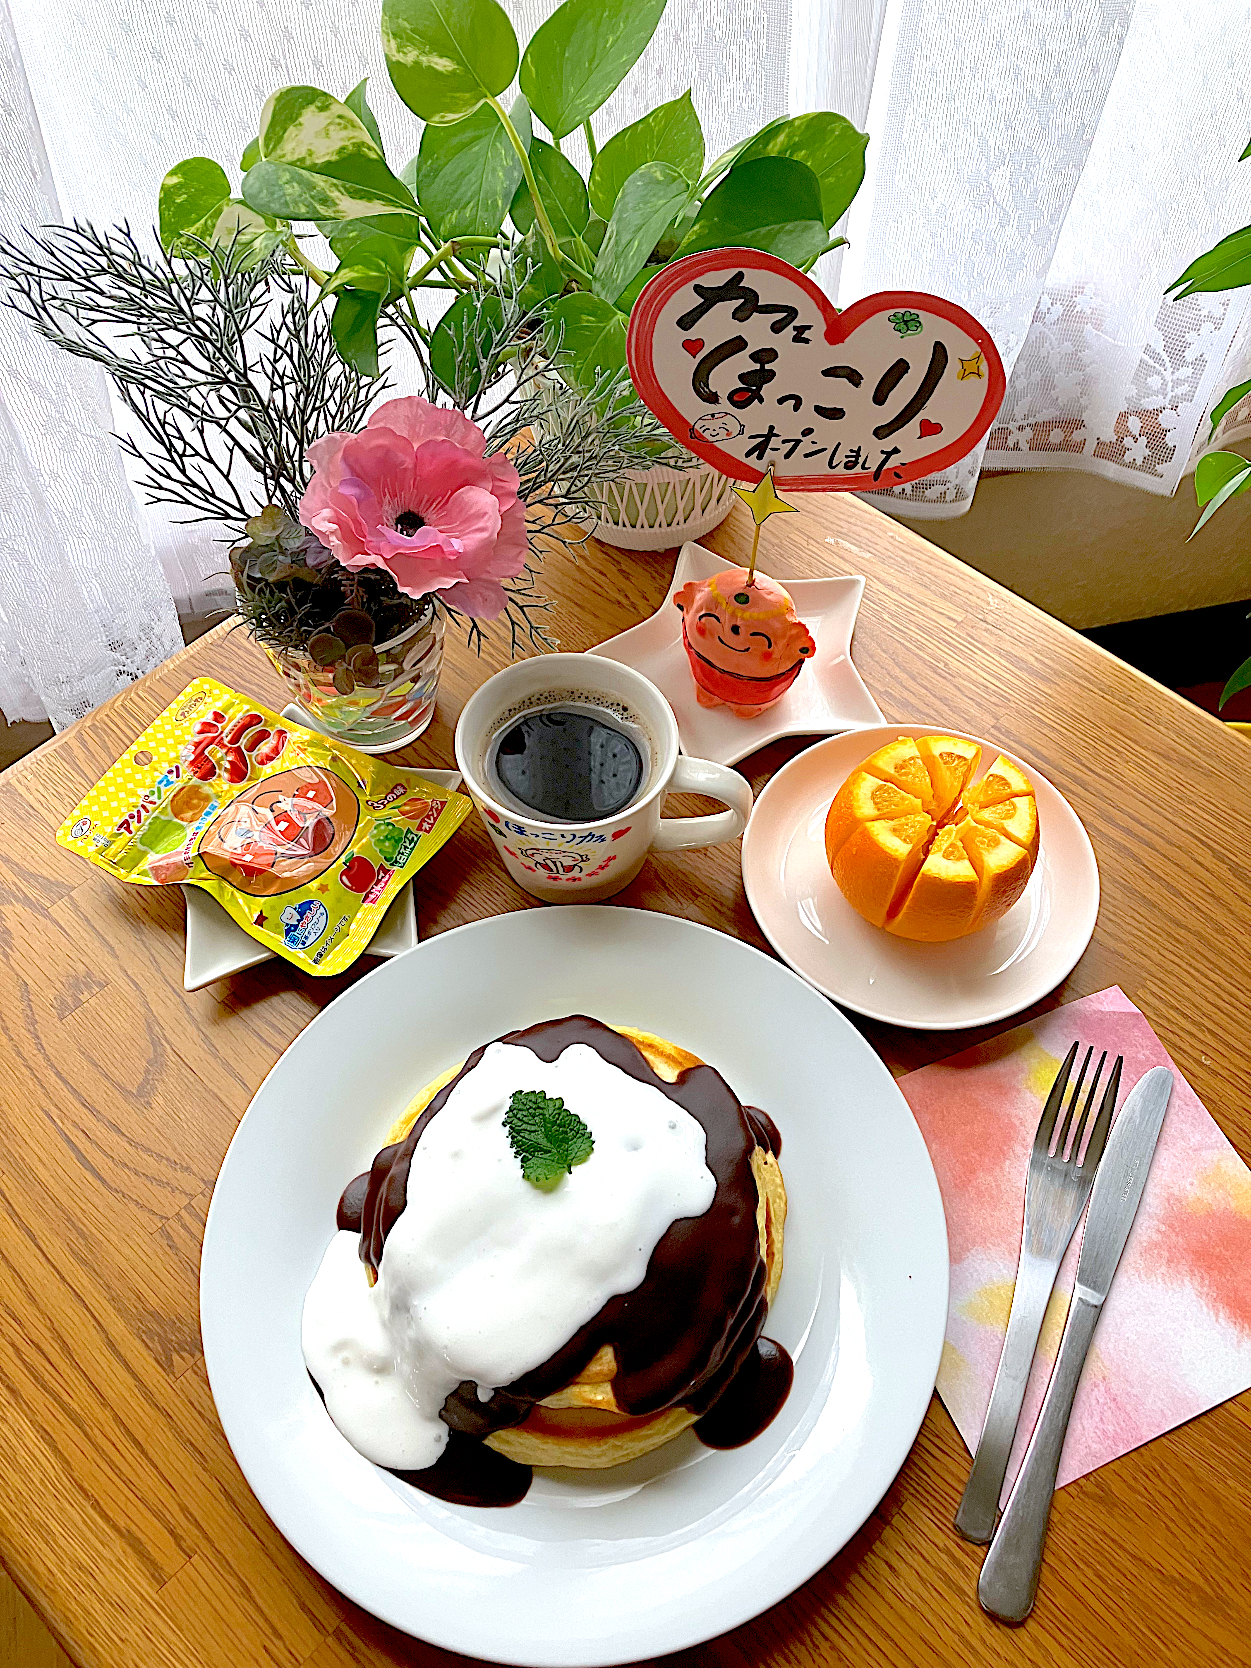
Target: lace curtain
(1049, 164)
(1052, 167)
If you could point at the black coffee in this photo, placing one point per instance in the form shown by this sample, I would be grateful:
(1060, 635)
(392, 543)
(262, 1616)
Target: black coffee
(569, 766)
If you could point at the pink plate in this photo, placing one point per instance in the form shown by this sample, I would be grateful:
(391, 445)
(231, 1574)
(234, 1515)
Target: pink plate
(926, 987)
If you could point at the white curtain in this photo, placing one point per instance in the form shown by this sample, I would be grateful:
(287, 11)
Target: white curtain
(1049, 164)
(1052, 165)
(84, 605)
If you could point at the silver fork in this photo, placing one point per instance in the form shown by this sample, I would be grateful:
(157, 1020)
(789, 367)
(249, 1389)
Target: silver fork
(1056, 1190)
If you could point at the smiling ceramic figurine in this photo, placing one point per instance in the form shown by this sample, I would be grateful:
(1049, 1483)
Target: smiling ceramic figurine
(744, 643)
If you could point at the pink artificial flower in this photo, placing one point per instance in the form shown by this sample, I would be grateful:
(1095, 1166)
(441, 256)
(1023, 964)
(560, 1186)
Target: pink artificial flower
(413, 494)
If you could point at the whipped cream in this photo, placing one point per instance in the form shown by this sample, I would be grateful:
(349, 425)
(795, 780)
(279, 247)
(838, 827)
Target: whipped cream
(483, 1276)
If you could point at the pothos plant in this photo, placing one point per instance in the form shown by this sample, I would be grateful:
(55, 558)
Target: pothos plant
(484, 189)
(1220, 476)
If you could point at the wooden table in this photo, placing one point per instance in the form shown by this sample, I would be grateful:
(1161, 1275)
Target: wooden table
(123, 1516)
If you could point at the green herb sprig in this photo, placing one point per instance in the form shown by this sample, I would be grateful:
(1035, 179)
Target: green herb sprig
(547, 1138)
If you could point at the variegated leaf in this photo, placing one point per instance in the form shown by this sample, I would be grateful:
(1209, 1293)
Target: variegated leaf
(296, 194)
(446, 57)
(190, 192)
(305, 128)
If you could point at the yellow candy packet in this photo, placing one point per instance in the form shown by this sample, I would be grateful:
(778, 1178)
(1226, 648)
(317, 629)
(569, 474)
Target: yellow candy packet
(303, 841)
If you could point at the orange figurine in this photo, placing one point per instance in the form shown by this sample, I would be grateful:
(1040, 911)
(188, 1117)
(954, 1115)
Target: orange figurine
(744, 643)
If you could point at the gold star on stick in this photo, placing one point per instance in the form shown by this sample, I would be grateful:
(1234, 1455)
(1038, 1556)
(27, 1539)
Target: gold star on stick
(762, 500)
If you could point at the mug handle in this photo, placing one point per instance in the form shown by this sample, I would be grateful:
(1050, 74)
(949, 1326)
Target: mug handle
(718, 782)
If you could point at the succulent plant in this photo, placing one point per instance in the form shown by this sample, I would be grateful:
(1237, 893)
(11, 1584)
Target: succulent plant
(278, 549)
(346, 643)
(295, 596)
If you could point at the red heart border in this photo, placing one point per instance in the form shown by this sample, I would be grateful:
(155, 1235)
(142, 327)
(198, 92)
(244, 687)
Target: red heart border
(838, 326)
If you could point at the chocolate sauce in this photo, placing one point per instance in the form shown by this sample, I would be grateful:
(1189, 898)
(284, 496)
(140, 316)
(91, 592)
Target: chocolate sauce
(351, 1204)
(468, 1473)
(750, 1400)
(765, 1130)
(569, 765)
(684, 1336)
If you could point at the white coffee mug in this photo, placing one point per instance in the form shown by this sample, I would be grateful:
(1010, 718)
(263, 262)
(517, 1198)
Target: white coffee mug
(583, 862)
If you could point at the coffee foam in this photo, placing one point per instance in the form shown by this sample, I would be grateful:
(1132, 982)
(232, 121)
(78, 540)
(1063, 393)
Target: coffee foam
(619, 714)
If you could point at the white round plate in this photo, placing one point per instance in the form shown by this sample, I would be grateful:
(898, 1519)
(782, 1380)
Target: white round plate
(592, 1567)
(927, 987)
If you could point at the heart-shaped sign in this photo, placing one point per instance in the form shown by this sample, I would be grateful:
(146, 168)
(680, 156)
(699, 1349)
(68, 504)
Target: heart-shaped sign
(894, 387)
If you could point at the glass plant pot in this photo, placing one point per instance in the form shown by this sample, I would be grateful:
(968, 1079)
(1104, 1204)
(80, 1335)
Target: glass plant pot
(390, 711)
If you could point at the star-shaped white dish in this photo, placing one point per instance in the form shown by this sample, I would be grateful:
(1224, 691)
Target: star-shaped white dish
(828, 697)
(217, 946)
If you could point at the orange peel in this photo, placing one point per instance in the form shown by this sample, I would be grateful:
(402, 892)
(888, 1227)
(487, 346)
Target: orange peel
(924, 851)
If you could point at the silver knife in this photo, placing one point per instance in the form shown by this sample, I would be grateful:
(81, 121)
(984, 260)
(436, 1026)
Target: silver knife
(1009, 1578)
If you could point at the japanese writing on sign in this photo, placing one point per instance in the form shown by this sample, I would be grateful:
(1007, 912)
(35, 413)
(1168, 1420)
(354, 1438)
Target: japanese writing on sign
(745, 361)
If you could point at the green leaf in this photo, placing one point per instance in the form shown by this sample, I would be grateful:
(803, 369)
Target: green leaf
(1228, 400)
(671, 133)
(295, 194)
(624, 303)
(252, 236)
(547, 1138)
(1226, 266)
(1246, 153)
(1241, 679)
(560, 185)
(593, 236)
(667, 248)
(251, 155)
(652, 197)
(1213, 471)
(544, 278)
(445, 57)
(727, 159)
(363, 274)
(828, 144)
(468, 172)
(354, 327)
(588, 334)
(190, 192)
(580, 55)
(463, 337)
(302, 127)
(356, 238)
(1219, 477)
(359, 106)
(772, 204)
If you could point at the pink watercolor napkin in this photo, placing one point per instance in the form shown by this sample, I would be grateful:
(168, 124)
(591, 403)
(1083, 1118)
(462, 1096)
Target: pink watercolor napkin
(1175, 1335)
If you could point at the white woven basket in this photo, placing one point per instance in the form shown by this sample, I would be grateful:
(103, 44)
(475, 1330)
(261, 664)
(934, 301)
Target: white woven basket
(654, 509)
(657, 508)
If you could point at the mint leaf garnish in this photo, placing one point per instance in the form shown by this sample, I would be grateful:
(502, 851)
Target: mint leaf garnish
(546, 1136)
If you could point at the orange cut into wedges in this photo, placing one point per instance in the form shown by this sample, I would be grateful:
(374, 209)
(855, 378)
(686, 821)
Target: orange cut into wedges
(1003, 780)
(867, 798)
(950, 761)
(924, 851)
(879, 861)
(1016, 817)
(900, 762)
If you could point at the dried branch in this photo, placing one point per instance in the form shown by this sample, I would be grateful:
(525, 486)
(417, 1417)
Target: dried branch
(228, 368)
(230, 373)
